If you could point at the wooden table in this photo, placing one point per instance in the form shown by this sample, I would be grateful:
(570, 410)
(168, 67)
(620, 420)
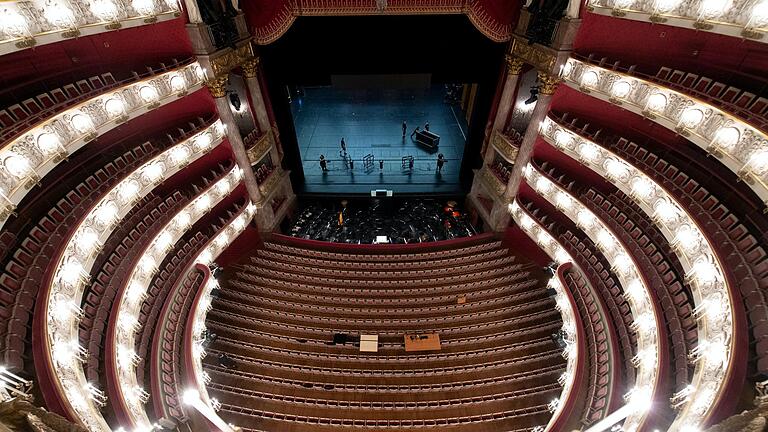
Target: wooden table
(422, 342)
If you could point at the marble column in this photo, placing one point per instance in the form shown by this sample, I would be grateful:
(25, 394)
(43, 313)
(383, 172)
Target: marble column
(217, 87)
(514, 66)
(548, 85)
(251, 73)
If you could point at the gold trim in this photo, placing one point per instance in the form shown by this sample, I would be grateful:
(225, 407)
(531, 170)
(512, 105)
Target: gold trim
(548, 83)
(268, 186)
(258, 150)
(534, 55)
(251, 67)
(502, 144)
(223, 64)
(492, 183)
(514, 64)
(217, 87)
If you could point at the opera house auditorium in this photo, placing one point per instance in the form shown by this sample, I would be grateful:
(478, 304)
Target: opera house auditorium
(384, 215)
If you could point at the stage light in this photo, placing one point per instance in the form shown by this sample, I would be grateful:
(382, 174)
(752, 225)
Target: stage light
(534, 95)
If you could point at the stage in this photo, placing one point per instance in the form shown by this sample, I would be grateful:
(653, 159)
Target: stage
(371, 123)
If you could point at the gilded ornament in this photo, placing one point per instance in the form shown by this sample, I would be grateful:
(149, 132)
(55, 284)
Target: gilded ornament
(532, 54)
(251, 67)
(257, 151)
(514, 64)
(220, 66)
(548, 83)
(217, 87)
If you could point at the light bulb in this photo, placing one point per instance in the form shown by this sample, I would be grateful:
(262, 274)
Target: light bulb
(589, 79)
(687, 237)
(87, 240)
(153, 171)
(180, 154)
(642, 187)
(13, 23)
(203, 141)
(606, 239)
(114, 107)
(665, 6)
(691, 118)
(128, 190)
(563, 200)
(182, 220)
(106, 213)
(727, 138)
(562, 139)
(59, 14)
(104, 10)
(657, 102)
(585, 218)
(82, 123)
(621, 89)
(759, 16)
(666, 211)
(616, 168)
(17, 165)
(543, 184)
(714, 8)
(177, 83)
(148, 94)
(705, 271)
(202, 203)
(71, 272)
(589, 152)
(758, 162)
(48, 143)
(144, 7)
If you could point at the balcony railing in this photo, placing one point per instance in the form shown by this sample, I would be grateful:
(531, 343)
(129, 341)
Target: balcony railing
(25, 24)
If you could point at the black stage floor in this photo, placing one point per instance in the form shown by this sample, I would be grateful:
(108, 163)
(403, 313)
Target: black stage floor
(371, 123)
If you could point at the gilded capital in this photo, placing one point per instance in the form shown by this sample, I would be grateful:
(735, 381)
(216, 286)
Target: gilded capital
(548, 83)
(217, 87)
(251, 67)
(514, 64)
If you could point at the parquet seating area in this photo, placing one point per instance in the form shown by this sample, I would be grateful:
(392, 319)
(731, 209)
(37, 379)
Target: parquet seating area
(278, 310)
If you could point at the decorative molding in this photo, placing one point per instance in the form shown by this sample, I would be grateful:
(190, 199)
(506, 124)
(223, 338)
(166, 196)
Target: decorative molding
(62, 292)
(514, 64)
(26, 159)
(260, 148)
(491, 182)
(217, 86)
(223, 64)
(692, 248)
(534, 55)
(251, 67)
(273, 180)
(739, 18)
(34, 23)
(474, 10)
(734, 142)
(646, 314)
(548, 83)
(504, 146)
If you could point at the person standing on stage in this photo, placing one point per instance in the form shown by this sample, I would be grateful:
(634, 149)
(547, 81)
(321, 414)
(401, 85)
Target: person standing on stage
(440, 163)
(405, 128)
(323, 163)
(343, 146)
(426, 126)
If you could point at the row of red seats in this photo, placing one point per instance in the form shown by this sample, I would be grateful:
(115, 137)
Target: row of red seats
(748, 106)
(25, 270)
(743, 255)
(122, 250)
(22, 116)
(600, 378)
(181, 257)
(601, 277)
(167, 339)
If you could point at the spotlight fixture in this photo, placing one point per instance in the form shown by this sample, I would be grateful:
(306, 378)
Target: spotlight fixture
(534, 95)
